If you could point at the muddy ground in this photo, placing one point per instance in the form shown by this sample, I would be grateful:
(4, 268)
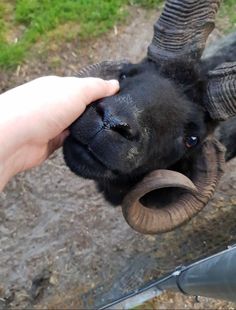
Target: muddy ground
(62, 245)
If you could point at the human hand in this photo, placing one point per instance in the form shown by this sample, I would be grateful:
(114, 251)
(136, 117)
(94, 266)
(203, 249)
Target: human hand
(34, 118)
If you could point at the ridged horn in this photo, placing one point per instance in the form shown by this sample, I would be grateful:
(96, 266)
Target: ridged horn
(105, 70)
(221, 92)
(181, 32)
(208, 167)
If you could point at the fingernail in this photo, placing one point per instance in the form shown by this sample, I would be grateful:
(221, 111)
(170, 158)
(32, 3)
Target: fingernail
(114, 83)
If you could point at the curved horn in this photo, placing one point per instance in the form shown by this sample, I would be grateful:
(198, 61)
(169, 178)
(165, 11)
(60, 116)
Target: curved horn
(207, 170)
(182, 30)
(221, 92)
(105, 70)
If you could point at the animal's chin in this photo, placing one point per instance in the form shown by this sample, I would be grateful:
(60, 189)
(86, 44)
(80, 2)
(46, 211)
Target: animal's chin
(82, 161)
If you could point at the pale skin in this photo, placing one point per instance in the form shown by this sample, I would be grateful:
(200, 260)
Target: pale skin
(34, 118)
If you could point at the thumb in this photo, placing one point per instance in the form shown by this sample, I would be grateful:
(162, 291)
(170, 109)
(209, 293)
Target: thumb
(96, 88)
(83, 91)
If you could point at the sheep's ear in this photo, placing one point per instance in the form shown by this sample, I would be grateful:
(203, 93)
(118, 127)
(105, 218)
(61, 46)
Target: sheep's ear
(106, 70)
(220, 100)
(181, 32)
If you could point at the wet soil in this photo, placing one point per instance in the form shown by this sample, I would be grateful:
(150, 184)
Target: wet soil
(62, 245)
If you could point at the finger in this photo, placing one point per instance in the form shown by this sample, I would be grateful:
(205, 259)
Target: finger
(79, 92)
(95, 88)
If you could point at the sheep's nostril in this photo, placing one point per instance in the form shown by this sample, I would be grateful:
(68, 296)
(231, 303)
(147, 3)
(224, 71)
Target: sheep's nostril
(124, 130)
(116, 122)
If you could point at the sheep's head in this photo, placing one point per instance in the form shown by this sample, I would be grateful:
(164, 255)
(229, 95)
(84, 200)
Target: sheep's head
(151, 144)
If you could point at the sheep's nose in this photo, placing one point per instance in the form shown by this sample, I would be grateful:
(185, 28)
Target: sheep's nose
(118, 123)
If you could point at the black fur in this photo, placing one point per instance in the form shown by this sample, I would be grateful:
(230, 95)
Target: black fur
(144, 127)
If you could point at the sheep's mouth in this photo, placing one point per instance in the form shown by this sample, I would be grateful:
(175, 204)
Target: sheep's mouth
(81, 160)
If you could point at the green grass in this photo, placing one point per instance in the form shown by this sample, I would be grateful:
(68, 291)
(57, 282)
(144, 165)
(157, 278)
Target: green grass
(35, 20)
(39, 17)
(228, 9)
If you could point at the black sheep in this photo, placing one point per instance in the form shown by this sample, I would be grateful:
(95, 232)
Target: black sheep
(151, 147)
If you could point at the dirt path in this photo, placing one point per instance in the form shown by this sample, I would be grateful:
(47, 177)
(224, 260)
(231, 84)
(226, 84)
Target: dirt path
(61, 244)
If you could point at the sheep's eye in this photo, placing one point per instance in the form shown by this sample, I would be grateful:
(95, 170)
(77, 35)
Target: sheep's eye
(123, 77)
(191, 141)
